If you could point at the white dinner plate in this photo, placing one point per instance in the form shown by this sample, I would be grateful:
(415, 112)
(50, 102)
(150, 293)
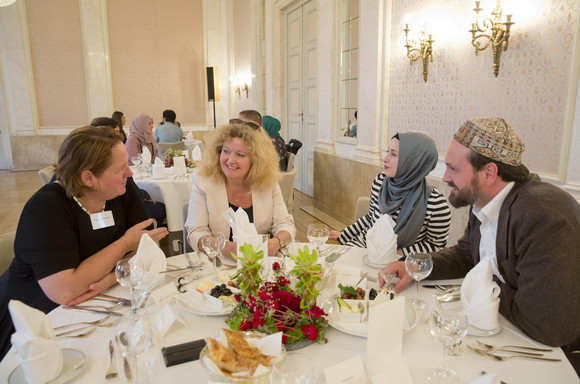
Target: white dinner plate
(73, 362)
(474, 331)
(330, 306)
(366, 260)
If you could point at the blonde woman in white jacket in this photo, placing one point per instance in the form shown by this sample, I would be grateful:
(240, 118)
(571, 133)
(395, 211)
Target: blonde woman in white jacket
(239, 170)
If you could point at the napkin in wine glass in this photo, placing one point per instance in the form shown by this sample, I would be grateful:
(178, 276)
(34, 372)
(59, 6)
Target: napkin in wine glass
(36, 347)
(179, 165)
(148, 262)
(382, 241)
(196, 153)
(480, 296)
(243, 225)
(146, 155)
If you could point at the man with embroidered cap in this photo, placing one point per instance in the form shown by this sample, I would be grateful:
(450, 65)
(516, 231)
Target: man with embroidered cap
(529, 229)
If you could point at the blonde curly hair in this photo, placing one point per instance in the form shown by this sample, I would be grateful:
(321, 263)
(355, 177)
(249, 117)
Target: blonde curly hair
(264, 168)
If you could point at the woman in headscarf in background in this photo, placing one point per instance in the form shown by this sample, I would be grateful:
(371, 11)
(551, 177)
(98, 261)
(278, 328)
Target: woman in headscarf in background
(140, 135)
(420, 211)
(272, 126)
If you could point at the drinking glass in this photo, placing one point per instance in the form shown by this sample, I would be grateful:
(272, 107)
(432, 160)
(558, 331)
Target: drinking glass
(449, 326)
(296, 368)
(123, 272)
(137, 160)
(132, 336)
(317, 235)
(419, 266)
(213, 246)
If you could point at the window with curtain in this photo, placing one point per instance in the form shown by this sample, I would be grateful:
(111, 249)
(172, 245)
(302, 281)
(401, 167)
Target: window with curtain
(349, 53)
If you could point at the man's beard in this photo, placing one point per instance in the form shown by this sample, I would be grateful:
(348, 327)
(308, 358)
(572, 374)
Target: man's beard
(465, 196)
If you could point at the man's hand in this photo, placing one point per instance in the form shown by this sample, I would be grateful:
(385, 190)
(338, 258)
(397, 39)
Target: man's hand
(398, 269)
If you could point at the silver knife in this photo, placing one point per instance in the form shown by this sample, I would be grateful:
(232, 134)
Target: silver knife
(112, 313)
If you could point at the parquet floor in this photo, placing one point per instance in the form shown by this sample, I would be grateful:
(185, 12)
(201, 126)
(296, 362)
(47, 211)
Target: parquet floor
(17, 187)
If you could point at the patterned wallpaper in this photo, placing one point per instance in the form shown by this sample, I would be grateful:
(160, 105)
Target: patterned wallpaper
(56, 48)
(157, 59)
(530, 92)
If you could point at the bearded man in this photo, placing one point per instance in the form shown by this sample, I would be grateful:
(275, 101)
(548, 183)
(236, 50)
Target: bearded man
(530, 230)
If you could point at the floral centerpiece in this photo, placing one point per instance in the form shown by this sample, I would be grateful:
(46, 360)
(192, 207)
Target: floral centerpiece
(273, 306)
(172, 153)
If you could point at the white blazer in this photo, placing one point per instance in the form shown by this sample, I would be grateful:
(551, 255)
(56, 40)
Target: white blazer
(209, 200)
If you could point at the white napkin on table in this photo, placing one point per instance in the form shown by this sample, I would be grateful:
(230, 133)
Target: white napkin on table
(149, 261)
(179, 165)
(158, 169)
(36, 347)
(479, 296)
(196, 153)
(146, 155)
(382, 241)
(189, 136)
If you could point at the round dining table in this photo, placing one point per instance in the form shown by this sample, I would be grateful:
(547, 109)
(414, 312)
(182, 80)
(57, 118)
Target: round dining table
(420, 350)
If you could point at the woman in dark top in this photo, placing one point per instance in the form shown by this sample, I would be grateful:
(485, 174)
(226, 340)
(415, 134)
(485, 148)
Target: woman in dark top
(121, 120)
(72, 232)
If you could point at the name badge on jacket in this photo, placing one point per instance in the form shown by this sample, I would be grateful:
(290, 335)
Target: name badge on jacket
(102, 220)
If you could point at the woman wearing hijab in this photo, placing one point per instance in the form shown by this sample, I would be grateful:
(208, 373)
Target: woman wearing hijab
(140, 135)
(420, 211)
(272, 127)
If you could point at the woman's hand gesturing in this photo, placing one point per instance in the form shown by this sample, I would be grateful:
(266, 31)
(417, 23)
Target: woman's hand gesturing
(133, 235)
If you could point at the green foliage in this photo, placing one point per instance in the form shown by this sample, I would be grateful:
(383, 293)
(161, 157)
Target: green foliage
(347, 289)
(248, 276)
(307, 272)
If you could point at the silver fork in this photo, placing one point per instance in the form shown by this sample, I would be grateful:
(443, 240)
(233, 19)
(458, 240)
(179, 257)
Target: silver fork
(335, 255)
(112, 372)
(493, 348)
(77, 336)
(94, 328)
(521, 355)
(99, 321)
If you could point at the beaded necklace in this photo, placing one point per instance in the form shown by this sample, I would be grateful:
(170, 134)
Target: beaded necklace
(84, 209)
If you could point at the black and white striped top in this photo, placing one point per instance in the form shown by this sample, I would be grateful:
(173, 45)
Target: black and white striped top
(433, 235)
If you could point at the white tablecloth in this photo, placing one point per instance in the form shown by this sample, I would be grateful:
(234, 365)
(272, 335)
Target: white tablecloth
(173, 192)
(420, 350)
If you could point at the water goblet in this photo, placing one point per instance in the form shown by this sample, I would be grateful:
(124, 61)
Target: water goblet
(418, 266)
(449, 326)
(317, 235)
(296, 368)
(213, 246)
(132, 336)
(128, 276)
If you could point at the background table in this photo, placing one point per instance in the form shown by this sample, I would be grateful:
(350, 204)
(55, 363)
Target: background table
(420, 350)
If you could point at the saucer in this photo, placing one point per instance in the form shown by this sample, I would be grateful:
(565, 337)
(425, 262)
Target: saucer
(366, 260)
(474, 331)
(73, 362)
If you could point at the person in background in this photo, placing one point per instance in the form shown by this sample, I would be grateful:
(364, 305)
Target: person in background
(272, 127)
(168, 132)
(140, 136)
(237, 172)
(120, 117)
(106, 122)
(251, 115)
(419, 210)
(72, 232)
(529, 230)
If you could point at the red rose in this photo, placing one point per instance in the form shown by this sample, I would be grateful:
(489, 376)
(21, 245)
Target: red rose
(245, 325)
(276, 266)
(310, 331)
(315, 312)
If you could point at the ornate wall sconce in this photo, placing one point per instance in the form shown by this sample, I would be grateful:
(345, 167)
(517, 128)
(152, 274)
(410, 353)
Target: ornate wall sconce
(494, 32)
(420, 47)
(240, 83)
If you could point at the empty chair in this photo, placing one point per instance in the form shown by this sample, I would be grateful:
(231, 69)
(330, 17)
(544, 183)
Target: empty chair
(46, 174)
(290, 161)
(293, 146)
(287, 187)
(362, 207)
(6, 250)
(162, 148)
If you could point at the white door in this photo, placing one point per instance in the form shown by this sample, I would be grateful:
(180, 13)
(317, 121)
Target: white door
(302, 101)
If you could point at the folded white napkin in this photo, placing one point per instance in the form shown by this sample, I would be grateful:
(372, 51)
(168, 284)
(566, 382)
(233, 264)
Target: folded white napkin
(488, 378)
(243, 225)
(179, 165)
(158, 169)
(479, 296)
(382, 241)
(159, 162)
(189, 136)
(146, 155)
(36, 347)
(385, 335)
(147, 264)
(196, 153)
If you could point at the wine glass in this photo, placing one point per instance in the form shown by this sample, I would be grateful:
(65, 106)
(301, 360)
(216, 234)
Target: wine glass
(123, 272)
(317, 235)
(296, 368)
(213, 246)
(449, 326)
(132, 336)
(418, 266)
(137, 160)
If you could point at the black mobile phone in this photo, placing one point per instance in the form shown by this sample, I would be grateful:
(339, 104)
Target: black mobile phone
(182, 353)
